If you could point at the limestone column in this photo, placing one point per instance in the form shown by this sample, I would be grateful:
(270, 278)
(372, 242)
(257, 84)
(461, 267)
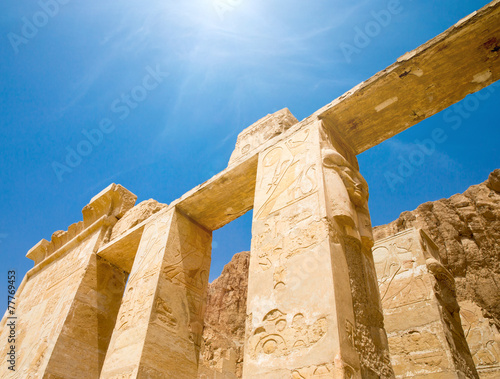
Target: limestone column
(159, 327)
(483, 338)
(313, 305)
(421, 312)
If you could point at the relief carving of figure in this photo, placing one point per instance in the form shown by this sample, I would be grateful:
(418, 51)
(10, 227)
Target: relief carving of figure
(482, 337)
(188, 259)
(285, 183)
(349, 197)
(396, 287)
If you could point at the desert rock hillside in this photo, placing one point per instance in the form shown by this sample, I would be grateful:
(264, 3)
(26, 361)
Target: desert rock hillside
(224, 333)
(466, 227)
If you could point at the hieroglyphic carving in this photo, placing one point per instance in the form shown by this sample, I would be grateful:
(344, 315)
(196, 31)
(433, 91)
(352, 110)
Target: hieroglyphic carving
(325, 370)
(164, 301)
(140, 290)
(278, 337)
(150, 254)
(482, 336)
(187, 265)
(279, 277)
(420, 307)
(134, 308)
(397, 259)
(286, 238)
(187, 259)
(287, 178)
(165, 314)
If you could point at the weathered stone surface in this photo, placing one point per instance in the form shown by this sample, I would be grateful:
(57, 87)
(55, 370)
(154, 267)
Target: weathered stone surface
(460, 61)
(313, 306)
(467, 229)
(159, 326)
(494, 180)
(311, 229)
(483, 337)
(420, 308)
(446, 220)
(224, 331)
(113, 201)
(84, 340)
(135, 216)
(262, 131)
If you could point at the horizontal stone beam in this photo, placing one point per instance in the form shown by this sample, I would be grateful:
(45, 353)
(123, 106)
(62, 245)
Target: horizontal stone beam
(462, 60)
(223, 198)
(212, 205)
(122, 250)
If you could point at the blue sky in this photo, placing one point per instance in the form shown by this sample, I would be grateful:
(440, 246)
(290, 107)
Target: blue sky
(173, 83)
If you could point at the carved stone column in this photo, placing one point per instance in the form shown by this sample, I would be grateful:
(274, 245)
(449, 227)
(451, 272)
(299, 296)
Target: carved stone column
(421, 312)
(483, 338)
(313, 305)
(159, 326)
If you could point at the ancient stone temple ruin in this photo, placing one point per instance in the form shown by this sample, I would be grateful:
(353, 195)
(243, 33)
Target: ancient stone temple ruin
(421, 312)
(122, 294)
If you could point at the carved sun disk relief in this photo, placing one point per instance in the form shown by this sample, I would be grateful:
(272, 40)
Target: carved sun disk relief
(275, 337)
(271, 344)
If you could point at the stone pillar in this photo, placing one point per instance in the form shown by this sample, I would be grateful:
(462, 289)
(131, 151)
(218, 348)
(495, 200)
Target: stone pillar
(84, 340)
(67, 304)
(159, 327)
(421, 312)
(483, 338)
(311, 265)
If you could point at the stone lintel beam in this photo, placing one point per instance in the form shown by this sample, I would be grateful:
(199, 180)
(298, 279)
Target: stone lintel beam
(223, 198)
(208, 204)
(461, 61)
(122, 250)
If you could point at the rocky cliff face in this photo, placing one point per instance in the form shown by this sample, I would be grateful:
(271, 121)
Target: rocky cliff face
(224, 333)
(466, 227)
